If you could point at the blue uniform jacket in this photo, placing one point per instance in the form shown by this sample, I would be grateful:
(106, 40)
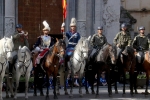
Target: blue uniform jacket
(38, 42)
(74, 39)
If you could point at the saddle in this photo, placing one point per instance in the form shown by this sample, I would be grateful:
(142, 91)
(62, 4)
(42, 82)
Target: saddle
(140, 57)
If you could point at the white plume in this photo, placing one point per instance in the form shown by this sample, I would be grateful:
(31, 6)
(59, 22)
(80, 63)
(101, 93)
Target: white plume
(63, 24)
(45, 24)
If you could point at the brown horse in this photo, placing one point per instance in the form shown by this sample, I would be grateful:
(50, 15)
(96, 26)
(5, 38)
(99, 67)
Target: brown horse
(146, 67)
(51, 63)
(127, 63)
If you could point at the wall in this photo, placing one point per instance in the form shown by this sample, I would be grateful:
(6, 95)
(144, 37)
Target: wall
(31, 14)
(140, 10)
(1, 18)
(92, 13)
(10, 17)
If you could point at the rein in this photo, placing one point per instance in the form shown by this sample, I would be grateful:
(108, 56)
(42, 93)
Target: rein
(24, 62)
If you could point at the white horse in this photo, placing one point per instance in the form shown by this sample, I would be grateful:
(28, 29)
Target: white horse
(77, 62)
(23, 66)
(6, 46)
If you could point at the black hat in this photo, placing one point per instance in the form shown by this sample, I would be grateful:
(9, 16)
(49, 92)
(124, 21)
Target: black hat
(100, 28)
(141, 28)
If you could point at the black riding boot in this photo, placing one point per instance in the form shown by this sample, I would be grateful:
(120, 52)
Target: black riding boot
(10, 69)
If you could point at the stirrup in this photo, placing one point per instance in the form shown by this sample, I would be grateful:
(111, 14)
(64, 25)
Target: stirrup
(10, 75)
(90, 67)
(58, 75)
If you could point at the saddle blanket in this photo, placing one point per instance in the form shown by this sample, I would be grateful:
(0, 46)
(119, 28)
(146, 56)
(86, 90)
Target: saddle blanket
(41, 55)
(69, 51)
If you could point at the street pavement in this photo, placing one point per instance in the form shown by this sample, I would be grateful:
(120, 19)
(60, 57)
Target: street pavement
(103, 95)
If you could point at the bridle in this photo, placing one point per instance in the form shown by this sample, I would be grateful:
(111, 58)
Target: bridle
(82, 54)
(26, 63)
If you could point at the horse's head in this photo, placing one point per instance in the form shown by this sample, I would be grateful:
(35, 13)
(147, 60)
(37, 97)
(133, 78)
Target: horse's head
(23, 56)
(108, 51)
(112, 53)
(84, 46)
(8, 47)
(61, 46)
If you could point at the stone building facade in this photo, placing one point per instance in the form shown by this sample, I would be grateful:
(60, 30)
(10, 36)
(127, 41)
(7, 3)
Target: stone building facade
(140, 10)
(31, 14)
(93, 13)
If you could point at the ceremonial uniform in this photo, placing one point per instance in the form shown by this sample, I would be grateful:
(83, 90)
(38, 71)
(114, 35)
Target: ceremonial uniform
(42, 44)
(73, 38)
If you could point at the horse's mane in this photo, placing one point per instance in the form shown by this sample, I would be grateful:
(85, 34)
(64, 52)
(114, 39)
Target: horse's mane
(79, 42)
(26, 48)
(130, 51)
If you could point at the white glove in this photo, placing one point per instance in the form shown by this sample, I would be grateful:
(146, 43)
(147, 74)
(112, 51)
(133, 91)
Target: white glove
(36, 50)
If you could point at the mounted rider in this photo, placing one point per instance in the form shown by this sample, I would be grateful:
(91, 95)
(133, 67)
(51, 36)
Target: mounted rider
(42, 45)
(122, 39)
(20, 38)
(97, 41)
(141, 43)
(73, 38)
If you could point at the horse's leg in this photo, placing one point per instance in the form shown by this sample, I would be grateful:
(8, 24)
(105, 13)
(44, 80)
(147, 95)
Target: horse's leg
(58, 85)
(35, 81)
(114, 76)
(147, 82)
(134, 82)
(17, 83)
(124, 82)
(91, 82)
(27, 76)
(65, 87)
(86, 87)
(47, 80)
(54, 83)
(98, 77)
(9, 84)
(80, 81)
(131, 81)
(1, 80)
(109, 83)
(72, 82)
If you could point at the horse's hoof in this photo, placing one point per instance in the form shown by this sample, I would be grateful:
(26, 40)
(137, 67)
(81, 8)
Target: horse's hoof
(26, 98)
(93, 92)
(96, 96)
(110, 95)
(7, 96)
(87, 92)
(146, 93)
(35, 94)
(15, 98)
(123, 95)
(55, 97)
(41, 94)
(47, 97)
(58, 93)
(81, 95)
(136, 92)
(66, 93)
(116, 92)
(70, 96)
(12, 96)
